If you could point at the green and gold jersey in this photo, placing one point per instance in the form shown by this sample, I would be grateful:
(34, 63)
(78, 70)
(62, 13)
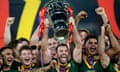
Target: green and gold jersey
(72, 66)
(110, 68)
(85, 67)
(22, 68)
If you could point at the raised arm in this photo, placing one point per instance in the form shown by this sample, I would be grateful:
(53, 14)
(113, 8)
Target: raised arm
(100, 11)
(44, 44)
(104, 58)
(7, 33)
(77, 52)
(35, 39)
(115, 45)
(80, 15)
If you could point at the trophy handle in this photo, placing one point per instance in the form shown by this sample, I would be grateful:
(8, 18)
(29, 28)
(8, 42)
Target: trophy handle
(41, 25)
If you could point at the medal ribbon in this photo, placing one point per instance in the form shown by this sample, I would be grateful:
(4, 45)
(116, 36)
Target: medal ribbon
(92, 63)
(22, 68)
(65, 69)
(117, 67)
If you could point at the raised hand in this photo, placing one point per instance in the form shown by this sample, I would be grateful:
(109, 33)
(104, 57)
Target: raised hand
(108, 29)
(10, 20)
(46, 22)
(81, 15)
(53, 64)
(100, 11)
(71, 20)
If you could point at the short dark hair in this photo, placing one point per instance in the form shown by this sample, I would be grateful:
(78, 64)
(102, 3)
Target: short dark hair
(4, 48)
(25, 47)
(13, 43)
(33, 47)
(23, 39)
(89, 37)
(61, 45)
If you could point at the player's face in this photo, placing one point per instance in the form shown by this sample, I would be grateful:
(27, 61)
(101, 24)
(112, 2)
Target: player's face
(63, 54)
(91, 46)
